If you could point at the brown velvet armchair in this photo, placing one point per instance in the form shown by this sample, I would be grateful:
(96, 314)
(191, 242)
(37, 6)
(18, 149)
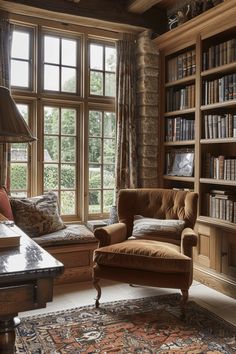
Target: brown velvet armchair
(160, 258)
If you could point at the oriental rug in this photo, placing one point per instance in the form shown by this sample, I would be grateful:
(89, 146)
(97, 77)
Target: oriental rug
(147, 325)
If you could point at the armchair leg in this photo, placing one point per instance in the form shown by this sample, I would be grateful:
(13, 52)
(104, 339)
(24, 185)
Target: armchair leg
(99, 292)
(184, 302)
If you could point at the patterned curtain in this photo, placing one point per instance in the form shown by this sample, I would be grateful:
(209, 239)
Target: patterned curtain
(126, 157)
(5, 50)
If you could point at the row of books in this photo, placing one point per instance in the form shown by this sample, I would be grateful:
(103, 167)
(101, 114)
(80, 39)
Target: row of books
(220, 90)
(222, 205)
(219, 54)
(181, 66)
(180, 98)
(220, 167)
(179, 128)
(219, 126)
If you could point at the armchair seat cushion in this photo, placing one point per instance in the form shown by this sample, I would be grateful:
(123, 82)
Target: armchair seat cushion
(144, 255)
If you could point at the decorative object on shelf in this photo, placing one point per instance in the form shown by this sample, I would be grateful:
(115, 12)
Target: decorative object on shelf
(191, 9)
(180, 163)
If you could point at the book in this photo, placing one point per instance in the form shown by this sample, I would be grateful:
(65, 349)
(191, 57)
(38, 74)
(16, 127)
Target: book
(8, 237)
(94, 224)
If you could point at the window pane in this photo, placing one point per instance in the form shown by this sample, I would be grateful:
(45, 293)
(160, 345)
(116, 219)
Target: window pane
(68, 149)
(68, 121)
(51, 148)
(68, 52)
(51, 77)
(67, 176)
(94, 150)
(108, 176)
(96, 57)
(96, 83)
(110, 59)
(51, 50)
(95, 202)
(50, 177)
(109, 124)
(51, 120)
(19, 176)
(109, 151)
(68, 80)
(24, 111)
(19, 152)
(20, 45)
(68, 203)
(94, 177)
(110, 85)
(108, 200)
(95, 123)
(19, 73)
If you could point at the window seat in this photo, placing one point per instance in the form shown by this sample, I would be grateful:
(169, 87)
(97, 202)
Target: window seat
(73, 246)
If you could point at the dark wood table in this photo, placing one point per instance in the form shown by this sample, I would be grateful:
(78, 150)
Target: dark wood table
(26, 283)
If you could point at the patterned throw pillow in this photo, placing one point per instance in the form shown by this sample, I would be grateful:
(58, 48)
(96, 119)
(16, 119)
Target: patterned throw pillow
(149, 226)
(37, 216)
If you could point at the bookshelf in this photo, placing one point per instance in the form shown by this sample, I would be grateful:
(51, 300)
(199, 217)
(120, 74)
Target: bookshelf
(198, 116)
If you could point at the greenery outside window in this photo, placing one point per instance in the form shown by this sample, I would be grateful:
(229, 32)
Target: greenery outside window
(102, 69)
(20, 162)
(102, 132)
(60, 64)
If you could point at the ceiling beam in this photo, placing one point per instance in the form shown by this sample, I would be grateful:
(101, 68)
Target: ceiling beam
(140, 6)
(106, 11)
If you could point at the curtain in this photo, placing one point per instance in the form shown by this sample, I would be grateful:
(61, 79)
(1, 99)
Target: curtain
(5, 50)
(126, 157)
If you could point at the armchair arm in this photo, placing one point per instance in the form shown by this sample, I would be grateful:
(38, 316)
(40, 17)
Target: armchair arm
(188, 241)
(111, 234)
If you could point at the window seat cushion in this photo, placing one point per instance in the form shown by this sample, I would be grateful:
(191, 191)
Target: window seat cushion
(72, 234)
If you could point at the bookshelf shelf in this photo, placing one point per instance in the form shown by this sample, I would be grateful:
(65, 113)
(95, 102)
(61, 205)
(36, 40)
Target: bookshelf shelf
(219, 222)
(178, 178)
(219, 69)
(179, 143)
(221, 182)
(226, 104)
(218, 141)
(179, 112)
(185, 80)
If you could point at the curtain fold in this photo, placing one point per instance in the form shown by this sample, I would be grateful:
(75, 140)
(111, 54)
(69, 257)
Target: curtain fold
(126, 157)
(5, 59)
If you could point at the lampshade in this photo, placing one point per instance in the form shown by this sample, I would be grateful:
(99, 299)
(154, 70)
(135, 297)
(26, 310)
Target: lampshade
(13, 128)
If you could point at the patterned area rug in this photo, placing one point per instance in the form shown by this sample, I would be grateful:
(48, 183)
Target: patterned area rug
(148, 325)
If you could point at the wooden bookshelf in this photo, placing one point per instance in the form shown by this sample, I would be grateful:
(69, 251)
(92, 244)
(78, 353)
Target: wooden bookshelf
(215, 255)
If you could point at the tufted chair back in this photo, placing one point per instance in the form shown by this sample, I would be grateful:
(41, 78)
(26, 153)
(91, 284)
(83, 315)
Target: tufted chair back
(156, 203)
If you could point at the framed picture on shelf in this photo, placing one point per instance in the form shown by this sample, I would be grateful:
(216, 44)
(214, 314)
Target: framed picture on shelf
(183, 164)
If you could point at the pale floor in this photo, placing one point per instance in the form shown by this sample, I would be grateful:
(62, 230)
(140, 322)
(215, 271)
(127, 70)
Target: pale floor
(74, 295)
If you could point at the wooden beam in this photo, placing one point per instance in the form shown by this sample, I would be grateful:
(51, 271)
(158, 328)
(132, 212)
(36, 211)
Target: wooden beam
(105, 10)
(140, 6)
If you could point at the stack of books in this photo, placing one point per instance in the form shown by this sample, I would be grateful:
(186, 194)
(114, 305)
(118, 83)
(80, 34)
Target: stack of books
(8, 237)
